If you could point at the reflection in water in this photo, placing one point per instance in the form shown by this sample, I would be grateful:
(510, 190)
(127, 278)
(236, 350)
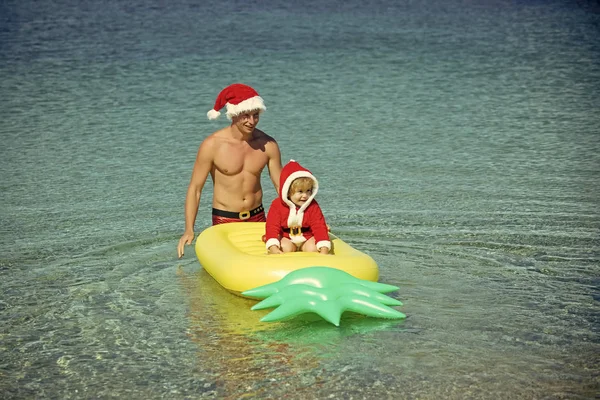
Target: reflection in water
(243, 355)
(229, 350)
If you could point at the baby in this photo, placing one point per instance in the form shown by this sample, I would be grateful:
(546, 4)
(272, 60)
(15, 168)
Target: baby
(295, 221)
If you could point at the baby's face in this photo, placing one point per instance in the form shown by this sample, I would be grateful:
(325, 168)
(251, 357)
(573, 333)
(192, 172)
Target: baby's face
(299, 196)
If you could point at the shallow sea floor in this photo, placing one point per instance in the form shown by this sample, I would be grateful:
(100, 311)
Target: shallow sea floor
(457, 144)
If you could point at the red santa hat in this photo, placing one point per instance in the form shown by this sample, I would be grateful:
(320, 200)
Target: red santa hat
(238, 98)
(291, 171)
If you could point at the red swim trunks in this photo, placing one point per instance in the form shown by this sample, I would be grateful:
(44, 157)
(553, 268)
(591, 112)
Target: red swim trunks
(223, 217)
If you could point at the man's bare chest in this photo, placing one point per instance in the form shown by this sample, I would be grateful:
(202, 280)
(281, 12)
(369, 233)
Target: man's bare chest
(232, 160)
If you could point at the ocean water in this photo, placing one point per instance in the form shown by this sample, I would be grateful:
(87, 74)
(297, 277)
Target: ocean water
(456, 142)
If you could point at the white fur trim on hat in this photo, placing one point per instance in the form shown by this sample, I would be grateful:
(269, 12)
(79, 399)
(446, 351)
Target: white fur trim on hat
(255, 103)
(213, 114)
(238, 98)
(288, 182)
(295, 217)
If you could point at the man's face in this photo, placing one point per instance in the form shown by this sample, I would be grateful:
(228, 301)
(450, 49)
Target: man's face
(246, 122)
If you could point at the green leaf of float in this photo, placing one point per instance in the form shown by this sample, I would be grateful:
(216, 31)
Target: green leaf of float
(317, 277)
(327, 292)
(324, 294)
(369, 307)
(332, 311)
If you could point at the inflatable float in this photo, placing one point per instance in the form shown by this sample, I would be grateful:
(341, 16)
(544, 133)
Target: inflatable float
(236, 257)
(295, 283)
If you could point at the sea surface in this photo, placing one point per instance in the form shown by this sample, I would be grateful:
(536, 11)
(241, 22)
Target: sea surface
(457, 142)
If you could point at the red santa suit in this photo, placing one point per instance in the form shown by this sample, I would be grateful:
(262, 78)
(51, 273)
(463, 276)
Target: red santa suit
(284, 217)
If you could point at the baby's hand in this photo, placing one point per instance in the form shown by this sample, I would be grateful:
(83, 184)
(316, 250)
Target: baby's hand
(275, 250)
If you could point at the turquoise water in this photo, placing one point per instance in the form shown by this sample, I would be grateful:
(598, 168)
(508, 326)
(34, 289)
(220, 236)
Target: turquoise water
(456, 142)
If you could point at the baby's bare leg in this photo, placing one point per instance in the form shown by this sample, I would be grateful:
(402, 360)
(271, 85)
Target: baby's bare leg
(309, 245)
(287, 246)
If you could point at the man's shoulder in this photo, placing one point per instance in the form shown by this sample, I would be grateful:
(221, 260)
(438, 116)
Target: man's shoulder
(222, 133)
(215, 138)
(262, 136)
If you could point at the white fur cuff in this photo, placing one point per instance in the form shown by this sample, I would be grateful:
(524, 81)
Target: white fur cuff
(324, 243)
(273, 242)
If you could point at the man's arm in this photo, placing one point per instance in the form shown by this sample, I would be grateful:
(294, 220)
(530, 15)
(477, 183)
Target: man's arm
(274, 163)
(202, 168)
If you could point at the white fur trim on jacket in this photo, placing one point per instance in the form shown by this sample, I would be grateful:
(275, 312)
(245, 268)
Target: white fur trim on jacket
(298, 240)
(273, 242)
(324, 243)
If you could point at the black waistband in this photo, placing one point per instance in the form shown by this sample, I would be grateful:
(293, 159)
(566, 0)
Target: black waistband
(296, 231)
(238, 215)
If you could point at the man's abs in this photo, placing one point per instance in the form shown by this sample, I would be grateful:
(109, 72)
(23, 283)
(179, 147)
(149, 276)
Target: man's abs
(236, 177)
(236, 200)
(239, 192)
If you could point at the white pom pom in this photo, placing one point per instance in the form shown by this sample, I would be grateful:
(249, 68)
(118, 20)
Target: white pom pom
(213, 114)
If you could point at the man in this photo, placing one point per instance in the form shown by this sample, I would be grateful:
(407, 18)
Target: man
(235, 157)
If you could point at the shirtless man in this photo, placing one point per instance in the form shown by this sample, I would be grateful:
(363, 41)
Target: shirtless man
(235, 157)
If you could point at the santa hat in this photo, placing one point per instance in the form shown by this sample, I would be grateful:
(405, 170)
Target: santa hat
(238, 98)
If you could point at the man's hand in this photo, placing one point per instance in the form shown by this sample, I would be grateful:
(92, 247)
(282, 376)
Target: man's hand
(186, 238)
